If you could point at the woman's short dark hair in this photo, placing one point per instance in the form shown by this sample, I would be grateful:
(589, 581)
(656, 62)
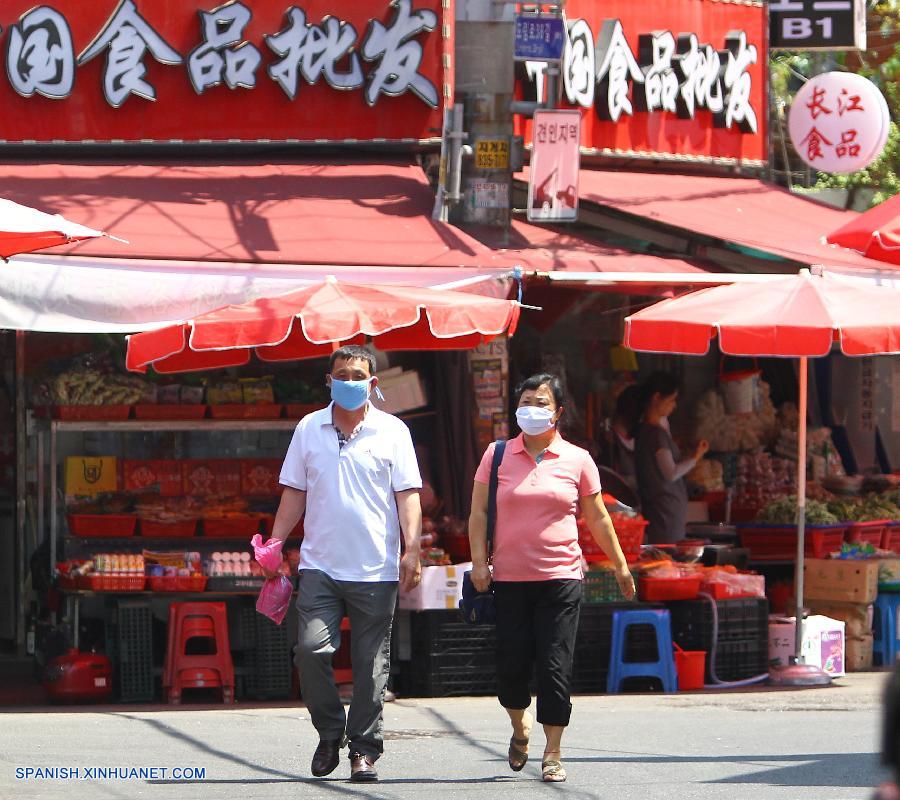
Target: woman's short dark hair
(535, 382)
(353, 352)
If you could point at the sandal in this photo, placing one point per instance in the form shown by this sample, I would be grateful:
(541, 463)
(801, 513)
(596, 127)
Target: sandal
(552, 772)
(518, 757)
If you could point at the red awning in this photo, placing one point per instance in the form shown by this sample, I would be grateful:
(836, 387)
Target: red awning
(744, 211)
(351, 213)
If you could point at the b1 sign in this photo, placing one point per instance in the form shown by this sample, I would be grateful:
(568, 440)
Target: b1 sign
(555, 161)
(839, 122)
(539, 38)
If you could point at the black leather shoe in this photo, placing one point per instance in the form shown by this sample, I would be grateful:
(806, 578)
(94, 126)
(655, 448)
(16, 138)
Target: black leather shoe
(326, 758)
(362, 769)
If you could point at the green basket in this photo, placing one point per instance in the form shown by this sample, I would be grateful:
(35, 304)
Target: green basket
(601, 586)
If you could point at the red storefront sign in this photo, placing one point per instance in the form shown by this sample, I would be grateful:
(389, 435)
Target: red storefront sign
(684, 78)
(197, 70)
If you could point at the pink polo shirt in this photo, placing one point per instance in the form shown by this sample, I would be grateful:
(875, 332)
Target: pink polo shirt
(536, 538)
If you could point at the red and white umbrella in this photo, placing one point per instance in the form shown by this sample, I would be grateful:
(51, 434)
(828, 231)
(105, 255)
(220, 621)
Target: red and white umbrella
(798, 316)
(875, 234)
(24, 230)
(313, 321)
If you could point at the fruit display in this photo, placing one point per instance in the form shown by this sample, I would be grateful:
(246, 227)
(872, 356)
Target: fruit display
(783, 511)
(871, 508)
(761, 476)
(91, 387)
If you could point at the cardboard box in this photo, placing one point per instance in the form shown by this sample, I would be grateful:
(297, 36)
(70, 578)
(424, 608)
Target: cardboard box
(823, 643)
(842, 580)
(441, 587)
(162, 475)
(259, 477)
(857, 618)
(889, 571)
(402, 392)
(220, 476)
(859, 653)
(88, 476)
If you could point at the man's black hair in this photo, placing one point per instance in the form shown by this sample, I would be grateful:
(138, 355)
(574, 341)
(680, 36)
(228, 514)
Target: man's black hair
(353, 352)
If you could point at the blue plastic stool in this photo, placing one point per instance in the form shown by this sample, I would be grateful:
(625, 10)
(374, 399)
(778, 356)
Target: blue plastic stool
(886, 644)
(663, 668)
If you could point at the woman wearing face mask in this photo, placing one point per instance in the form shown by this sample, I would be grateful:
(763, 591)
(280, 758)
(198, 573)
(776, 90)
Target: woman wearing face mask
(543, 483)
(659, 468)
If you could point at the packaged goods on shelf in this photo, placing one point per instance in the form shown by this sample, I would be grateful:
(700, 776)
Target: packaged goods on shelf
(224, 392)
(257, 390)
(734, 432)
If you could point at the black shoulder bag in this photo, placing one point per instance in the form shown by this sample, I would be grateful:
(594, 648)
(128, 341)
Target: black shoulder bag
(478, 607)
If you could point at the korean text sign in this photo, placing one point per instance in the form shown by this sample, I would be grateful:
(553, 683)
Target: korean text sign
(200, 70)
(553, 178)
(686, 78)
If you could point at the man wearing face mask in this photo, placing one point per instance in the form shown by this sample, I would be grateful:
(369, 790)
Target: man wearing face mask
(351, 470)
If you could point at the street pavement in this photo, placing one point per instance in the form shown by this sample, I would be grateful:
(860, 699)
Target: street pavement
(815, 744)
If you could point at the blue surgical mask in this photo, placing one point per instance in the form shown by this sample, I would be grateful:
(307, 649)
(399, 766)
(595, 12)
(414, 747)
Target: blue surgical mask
(350, 395)
(534, 420)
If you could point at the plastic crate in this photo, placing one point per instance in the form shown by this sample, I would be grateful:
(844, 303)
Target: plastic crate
(230, 583)
(657, 590)
(867, 532)
(176, 583)
(169, 411)
(742, 619)
(890, 538)
(111, 413)
(269, 667)
(236, 526)
(779, 542)
(132, 651)
(246, 411)
(630, 532)
(102, 525)
(601, 586)
(168, 530)
(739, 660)
(299, 410)
(99, 582)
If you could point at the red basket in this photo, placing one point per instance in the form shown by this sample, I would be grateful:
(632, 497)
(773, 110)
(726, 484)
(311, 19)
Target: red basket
(656, 590)
(779, 542)
(890, 538)
(867, 532)
(112, 583)
(244, 525)
(93, 413)
(169, 411)
(246, 411)
(300, 410)
(630, 531)
(177, 583)
(168, 530)
(102, 525)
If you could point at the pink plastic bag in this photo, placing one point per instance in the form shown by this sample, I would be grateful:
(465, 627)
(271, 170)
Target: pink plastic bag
(275, 595)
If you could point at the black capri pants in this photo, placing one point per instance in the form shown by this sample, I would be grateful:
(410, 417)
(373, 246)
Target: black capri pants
(536, 626)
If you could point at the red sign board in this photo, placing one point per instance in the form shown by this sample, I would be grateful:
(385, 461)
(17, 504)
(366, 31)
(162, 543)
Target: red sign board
(248, 70)
(684, 78)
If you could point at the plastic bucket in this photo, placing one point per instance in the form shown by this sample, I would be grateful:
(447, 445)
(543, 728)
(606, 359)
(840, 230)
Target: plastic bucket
(740, 390)
(691, 668)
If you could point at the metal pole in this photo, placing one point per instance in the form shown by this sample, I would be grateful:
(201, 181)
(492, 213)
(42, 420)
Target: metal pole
(21, 486)
(801, 504)
(52, 509)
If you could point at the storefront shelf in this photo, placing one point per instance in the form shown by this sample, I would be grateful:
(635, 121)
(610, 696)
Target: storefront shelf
(142, 425)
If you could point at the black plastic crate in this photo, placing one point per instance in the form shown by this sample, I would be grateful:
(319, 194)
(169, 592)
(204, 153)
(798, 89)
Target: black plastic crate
(738, 660)
(132, 651)
(437, 632)
(450, 681)
(268, 665)
(745, 618)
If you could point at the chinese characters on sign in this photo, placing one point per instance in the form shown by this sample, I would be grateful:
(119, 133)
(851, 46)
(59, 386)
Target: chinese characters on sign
(867, 396)
(678, 75)
(817, 24)
(555, 160)
(839, 122)
(40, 55)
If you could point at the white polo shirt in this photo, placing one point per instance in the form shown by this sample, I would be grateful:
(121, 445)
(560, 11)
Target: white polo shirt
(351, 528)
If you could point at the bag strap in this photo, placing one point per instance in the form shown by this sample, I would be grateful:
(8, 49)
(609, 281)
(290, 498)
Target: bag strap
(499, 449)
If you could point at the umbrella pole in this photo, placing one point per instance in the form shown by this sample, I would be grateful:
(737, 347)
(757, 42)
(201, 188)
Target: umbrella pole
(801, 504)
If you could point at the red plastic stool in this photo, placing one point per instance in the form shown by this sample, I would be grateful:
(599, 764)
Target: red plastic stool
(185, 671)
(343, 668)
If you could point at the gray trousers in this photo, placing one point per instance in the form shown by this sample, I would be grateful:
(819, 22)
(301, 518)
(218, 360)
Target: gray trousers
(322, 603)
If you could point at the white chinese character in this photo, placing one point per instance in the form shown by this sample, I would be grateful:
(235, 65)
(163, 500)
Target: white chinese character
(221, 56)
(399, 58)
(738, 83)
(128, 36)
(701, 85)
(615, 67)
(40, 56)
(656, 51)
(578, 64)
(314, 50)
